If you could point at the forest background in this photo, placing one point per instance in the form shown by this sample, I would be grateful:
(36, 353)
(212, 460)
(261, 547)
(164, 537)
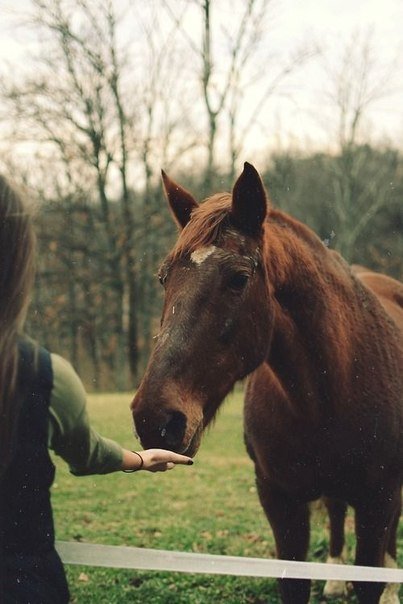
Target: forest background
(109, 92)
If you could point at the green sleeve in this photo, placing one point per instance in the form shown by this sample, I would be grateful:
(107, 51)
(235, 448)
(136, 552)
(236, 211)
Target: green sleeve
(70, 433)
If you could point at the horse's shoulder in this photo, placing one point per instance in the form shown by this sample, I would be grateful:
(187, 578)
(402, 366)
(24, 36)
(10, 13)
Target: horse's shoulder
(382, 285)
(388, 291)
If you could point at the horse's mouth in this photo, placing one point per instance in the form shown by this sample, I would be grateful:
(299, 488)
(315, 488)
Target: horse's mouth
(193, 445)
(156, 439)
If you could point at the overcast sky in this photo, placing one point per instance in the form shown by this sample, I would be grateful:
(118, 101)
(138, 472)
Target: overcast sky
(330, 23)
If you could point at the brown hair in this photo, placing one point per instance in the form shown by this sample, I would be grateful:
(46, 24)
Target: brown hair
(208, 221)
(17, 251)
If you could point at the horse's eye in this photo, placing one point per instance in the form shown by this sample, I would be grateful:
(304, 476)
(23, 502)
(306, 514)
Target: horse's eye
(238, 281)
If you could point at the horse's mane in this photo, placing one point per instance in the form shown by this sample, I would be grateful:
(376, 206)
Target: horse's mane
(211, 219)
(208, 221)
(298, 228)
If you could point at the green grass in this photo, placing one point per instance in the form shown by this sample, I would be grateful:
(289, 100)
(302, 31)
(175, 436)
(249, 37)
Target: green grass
(211, 507)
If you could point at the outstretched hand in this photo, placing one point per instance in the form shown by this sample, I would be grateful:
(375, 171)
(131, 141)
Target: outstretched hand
(153, 460)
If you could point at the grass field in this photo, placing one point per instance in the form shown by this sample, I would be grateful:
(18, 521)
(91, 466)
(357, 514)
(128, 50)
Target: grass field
(211, 507)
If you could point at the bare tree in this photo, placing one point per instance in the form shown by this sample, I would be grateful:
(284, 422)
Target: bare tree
(222, 89)
(97, 129)
(104, 120)
(356, 86)
(238, 71)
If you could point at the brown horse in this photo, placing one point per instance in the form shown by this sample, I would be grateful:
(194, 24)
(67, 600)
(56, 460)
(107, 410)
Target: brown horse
(251, 291)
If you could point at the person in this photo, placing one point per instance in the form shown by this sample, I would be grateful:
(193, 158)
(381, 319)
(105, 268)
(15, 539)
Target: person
(42, 406)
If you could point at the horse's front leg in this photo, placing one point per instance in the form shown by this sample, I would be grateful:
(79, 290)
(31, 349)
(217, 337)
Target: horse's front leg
(391, 591)
(375, 520)
(289, 520)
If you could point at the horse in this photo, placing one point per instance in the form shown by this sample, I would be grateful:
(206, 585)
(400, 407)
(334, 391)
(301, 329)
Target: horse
(251, 292)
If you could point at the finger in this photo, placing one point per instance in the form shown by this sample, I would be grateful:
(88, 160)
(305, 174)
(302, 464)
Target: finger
(181, 459)
(163, 456)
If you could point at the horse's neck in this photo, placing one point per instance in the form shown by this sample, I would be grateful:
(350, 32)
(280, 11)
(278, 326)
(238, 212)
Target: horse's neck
(311, 334)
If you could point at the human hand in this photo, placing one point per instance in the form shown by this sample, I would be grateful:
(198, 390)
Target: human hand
(153, 460)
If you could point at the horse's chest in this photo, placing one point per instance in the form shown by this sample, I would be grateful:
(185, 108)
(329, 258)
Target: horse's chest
(300, 465)
(308, 463)
(299, 452)
(288, 457)
(291, 452)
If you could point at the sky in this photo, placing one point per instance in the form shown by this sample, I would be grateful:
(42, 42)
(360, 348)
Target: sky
(300, 115)
(332, 24)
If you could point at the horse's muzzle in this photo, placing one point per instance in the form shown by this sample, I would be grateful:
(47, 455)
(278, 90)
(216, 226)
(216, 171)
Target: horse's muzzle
(166, 431)
(172, 432)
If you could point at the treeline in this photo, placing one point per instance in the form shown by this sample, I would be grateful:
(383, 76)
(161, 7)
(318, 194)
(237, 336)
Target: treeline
(81, 308)
(86, 304)
(111, 92)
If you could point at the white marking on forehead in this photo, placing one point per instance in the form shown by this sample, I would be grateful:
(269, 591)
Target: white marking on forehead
(200, 255)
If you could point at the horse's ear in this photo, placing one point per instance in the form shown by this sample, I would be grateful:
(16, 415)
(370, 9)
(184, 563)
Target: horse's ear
(249, 201)
(181, 202)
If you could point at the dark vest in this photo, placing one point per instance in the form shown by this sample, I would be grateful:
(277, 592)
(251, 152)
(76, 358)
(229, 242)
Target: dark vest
(32, 570)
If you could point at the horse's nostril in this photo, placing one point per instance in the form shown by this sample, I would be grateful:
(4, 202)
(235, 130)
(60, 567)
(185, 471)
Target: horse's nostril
(173, 431)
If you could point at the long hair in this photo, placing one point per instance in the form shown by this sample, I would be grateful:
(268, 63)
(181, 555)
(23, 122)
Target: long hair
(17, 252)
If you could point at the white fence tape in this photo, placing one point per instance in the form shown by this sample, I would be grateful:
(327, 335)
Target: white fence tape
(116, 556)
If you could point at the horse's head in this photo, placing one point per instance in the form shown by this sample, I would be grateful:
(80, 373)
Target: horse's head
(215, 325)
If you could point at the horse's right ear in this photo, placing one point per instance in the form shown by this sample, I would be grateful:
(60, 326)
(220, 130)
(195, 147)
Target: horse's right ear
(181, 202)
(249, 201)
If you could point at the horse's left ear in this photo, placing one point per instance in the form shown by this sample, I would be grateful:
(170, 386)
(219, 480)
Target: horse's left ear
(181, 202)
(249, 201)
